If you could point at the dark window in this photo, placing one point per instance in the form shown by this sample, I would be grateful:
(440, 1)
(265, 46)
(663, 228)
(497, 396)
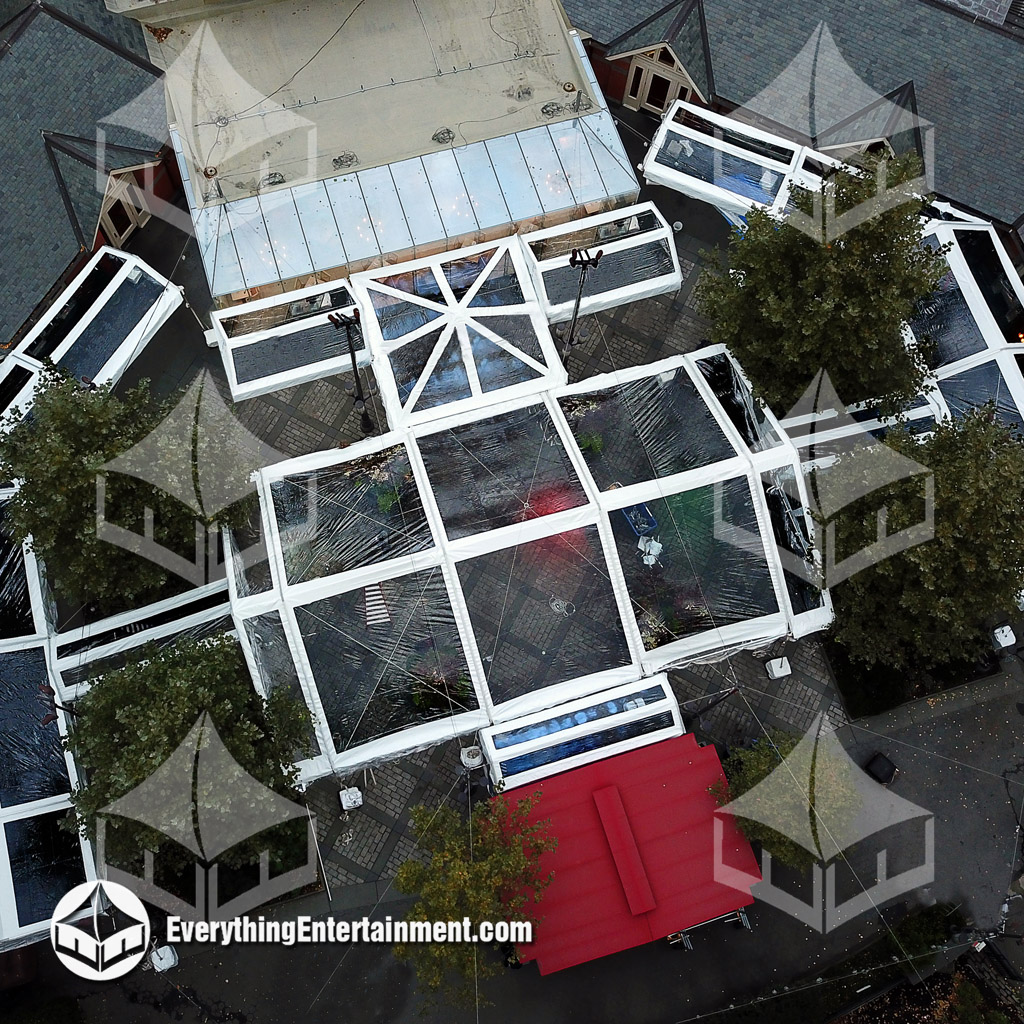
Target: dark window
(994, 282)
(634, 85)
(582, 744)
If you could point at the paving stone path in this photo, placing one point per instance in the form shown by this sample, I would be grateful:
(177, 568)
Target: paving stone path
(362, 849)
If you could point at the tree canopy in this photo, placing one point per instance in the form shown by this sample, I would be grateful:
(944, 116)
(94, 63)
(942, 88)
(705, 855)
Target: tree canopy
(788, 304)
(133, 719)
(485, 867)
(57, 453)
(815, 793)
(927, 606)
(61, 452)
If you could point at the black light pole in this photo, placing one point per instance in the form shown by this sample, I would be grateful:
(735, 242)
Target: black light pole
(580, 258)
(695, 716)
(341, 320)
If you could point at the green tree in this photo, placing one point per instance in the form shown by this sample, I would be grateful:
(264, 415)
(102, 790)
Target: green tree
(968, 1006)
(60, 452)
(484, 867)
(57, 454)
(132, 720)
(815, 790)
(926, 607)
(787, 304)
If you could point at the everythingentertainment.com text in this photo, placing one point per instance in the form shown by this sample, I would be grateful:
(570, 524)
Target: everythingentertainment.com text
(301, 930)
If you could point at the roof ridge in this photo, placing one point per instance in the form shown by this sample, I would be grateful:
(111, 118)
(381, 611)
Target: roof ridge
(647, 21)
(37, 7)
(27, 15)
(93, 144)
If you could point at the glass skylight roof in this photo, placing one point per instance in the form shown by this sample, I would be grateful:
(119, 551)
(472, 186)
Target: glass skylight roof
(451, 333)
(412, 205)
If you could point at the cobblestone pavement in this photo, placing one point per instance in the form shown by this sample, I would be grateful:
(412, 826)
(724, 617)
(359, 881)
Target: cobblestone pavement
(362, 849)
(789, 704)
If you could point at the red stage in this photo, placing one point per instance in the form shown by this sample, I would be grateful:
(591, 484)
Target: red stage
(635, 857)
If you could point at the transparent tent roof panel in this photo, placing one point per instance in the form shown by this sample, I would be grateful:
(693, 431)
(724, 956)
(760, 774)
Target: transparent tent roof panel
(708, 569)
(337, 519)
(543, 612)
(455, 329)
(500, 471)
(646, 429)
(46, 862)
(32, 765)
(944, 319)
(971, 389)
(616, 270)
(15, 603)
(386, 657)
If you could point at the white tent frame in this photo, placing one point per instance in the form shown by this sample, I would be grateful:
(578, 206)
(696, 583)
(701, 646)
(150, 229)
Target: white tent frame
(455, 315)
(531, 277)
(495, 755)
(633, 291)
(445, 554)
(733, 206)
(58, 663)
(997, 349)
(229, 345)
(140, 336)
(12, 932)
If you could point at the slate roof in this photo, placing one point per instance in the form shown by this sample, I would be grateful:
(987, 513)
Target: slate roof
(657, 29)
(606, 20)
(125, 32)
(679, 25)
(57, 75)
(968, 76)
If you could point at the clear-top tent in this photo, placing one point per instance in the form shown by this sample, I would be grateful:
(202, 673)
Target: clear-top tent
(973, 327)
(93, 330)
(729, 164)
(973, 323)
(513, 542)
(467, 323)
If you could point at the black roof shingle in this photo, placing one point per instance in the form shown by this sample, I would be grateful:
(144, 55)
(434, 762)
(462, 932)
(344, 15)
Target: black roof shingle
(968, 76)
(58, 76)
